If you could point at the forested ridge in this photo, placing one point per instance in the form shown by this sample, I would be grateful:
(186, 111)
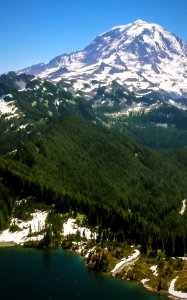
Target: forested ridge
(131, 192)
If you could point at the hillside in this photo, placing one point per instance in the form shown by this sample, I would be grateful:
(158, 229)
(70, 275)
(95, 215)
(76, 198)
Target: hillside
(82, 167)
(104, 166)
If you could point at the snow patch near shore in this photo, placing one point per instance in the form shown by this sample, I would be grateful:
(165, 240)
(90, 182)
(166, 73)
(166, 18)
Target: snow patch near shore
(70, 227)
(81, 246)
(172, 291)
(90, 251)
(144, 281)
(126, 260)
(19, 237)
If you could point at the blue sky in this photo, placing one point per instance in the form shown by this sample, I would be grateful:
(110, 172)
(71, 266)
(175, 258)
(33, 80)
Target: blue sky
(33, 31)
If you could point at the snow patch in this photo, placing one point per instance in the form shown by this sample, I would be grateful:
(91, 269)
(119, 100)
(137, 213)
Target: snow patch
(57, 103)
(183, 258)
(81, 246)
(90, 251)
(7, 107)
(178, 105)
(70, 227)
(154, 270)
(7, 95)
(23, 126)
(144, 281)
(175, 293)
(126, 260)
(12, 116)
(19, 237)
(21, 84)
(163, 125)
(181, 212)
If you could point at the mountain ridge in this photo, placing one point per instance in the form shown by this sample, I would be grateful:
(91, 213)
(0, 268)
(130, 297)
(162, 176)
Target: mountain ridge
(27, 104)
(138, 56)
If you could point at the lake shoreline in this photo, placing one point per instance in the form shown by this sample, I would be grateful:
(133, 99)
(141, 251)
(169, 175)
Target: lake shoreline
(109, 273)
(119, 257)
(63, 275)
(7, 244)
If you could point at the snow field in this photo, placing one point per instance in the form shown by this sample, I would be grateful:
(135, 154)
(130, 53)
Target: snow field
(19, 237)
(70, 227)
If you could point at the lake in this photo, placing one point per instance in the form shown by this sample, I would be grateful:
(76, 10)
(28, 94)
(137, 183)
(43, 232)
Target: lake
(27, 274)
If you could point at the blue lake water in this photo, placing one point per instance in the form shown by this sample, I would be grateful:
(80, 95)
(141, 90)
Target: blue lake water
(27, 274)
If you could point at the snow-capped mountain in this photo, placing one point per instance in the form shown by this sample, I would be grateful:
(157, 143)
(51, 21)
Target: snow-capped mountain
(142, 57)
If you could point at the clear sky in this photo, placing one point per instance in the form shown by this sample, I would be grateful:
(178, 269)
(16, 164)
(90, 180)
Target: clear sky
(33, 31)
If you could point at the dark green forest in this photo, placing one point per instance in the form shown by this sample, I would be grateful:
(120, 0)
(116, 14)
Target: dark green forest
(131, 192)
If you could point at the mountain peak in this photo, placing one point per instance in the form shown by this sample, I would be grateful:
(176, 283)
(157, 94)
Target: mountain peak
(140, 22)
(139, 56)
(124, 27)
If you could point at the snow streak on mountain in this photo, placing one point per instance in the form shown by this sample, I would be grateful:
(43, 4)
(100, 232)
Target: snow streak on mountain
(141, 56)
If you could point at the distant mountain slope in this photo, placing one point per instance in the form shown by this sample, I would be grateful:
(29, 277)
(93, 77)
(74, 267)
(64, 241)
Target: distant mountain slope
(139, 56)
(28, 103)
